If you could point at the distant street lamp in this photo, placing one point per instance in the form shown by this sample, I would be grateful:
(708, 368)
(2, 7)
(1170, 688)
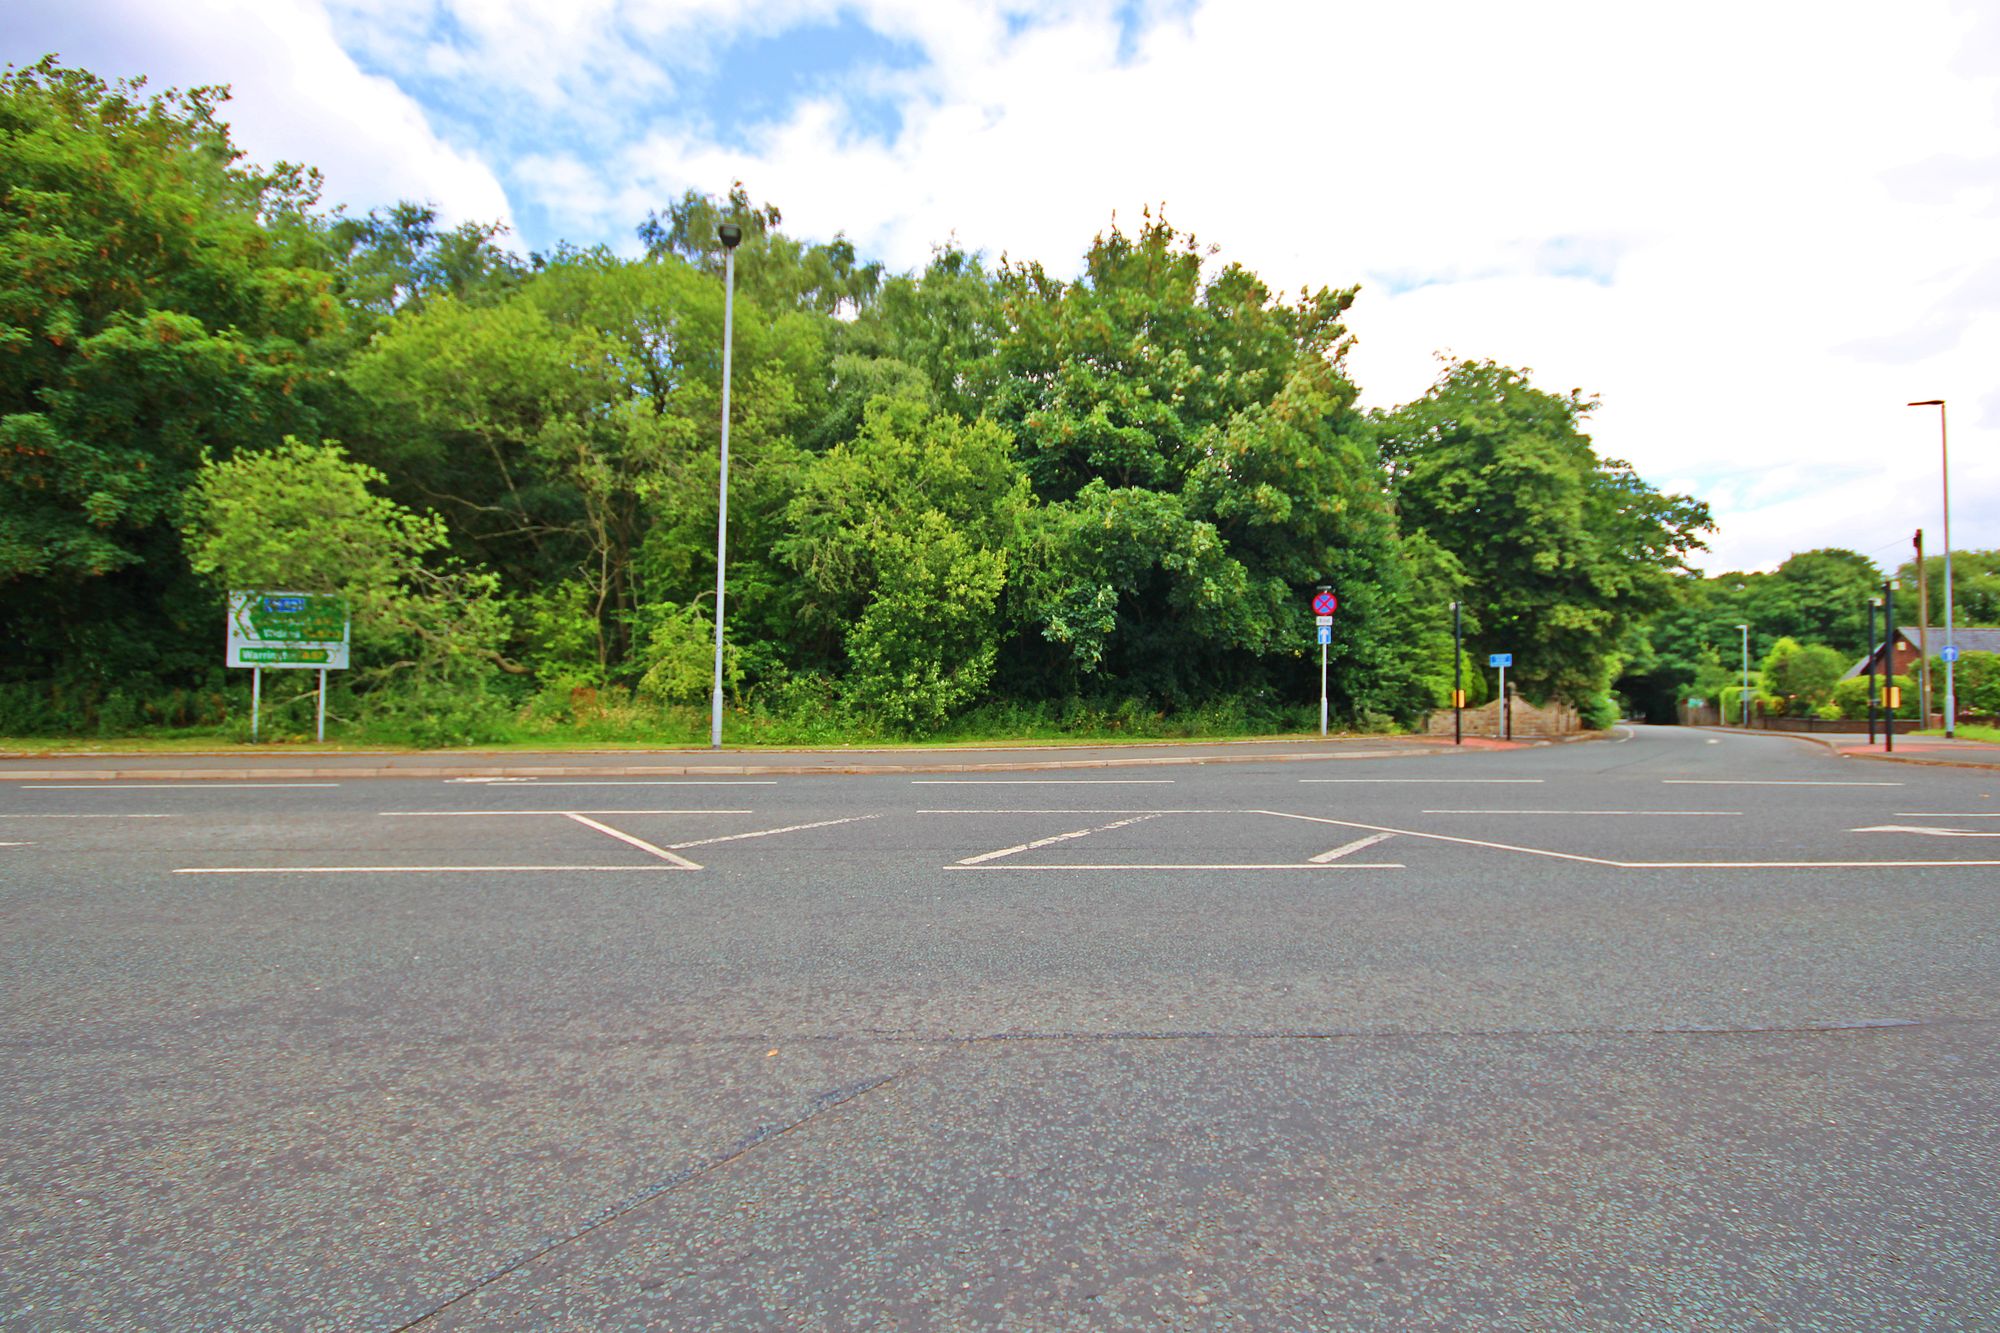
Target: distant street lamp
(1944, 455)
(731, 236)
(1746, 675)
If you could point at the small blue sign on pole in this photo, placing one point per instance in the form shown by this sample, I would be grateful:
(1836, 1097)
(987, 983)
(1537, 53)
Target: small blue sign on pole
(1500, 659)
(1949, 652)
(1326, 634)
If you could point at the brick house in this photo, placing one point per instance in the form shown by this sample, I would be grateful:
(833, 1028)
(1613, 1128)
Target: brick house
(1970, 639)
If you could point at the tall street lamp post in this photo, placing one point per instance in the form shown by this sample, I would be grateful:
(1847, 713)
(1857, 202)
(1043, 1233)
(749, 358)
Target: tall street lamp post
(1746, 675)
(731, 236)
(1944, 456)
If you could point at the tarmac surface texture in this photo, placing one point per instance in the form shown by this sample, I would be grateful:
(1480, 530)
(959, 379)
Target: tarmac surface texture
(1678, 1029)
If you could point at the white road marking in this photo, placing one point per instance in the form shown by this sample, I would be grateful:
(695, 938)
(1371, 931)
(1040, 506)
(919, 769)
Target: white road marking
(477, 814)
(1712, 814)
(16, 844)
(72, 816)
(1712, 741)
(1629, 733)
(164, 786)
(1947, 814)
(1635, 865)
(646, 782)
(644, 846)
(407, 870)
(767, 832)
(1041, 782)
(1023, 810)
(1060, 837)
(1281, 865)
(1768, 782)
(1347, 848)
(1926, 830)
(1376, 782)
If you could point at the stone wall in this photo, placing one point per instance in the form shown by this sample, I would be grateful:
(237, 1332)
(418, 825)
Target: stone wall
(1531, 721)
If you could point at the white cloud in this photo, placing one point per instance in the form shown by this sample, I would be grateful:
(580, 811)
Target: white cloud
(1755, 231)
(297, 96)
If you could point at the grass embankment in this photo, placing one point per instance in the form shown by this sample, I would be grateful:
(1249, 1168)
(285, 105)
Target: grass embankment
(1968, 733)
(619, 725)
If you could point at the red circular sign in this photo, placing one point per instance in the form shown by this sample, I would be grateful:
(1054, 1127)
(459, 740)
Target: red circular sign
(1325, 604)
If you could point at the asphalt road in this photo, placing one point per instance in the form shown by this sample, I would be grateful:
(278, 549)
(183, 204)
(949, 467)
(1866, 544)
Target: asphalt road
(1681, 1030)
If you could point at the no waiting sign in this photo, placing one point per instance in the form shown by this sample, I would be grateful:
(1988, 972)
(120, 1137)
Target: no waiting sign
(1325, 604)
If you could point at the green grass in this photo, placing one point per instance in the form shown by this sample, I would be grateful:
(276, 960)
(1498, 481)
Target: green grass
(1968, 732)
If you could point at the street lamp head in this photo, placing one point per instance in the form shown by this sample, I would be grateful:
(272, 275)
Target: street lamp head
(730, 235)
(1928, 402)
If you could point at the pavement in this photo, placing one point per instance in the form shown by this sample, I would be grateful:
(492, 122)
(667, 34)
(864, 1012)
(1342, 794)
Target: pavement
(1952, 751)
(1673, 1029)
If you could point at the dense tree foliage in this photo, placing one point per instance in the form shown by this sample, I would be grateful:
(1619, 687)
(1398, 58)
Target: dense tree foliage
(964, 486)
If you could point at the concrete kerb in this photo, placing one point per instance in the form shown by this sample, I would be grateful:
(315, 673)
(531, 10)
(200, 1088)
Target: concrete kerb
(502, 770)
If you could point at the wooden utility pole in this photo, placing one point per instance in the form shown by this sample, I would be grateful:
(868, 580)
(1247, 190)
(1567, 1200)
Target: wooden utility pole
(1923, 634)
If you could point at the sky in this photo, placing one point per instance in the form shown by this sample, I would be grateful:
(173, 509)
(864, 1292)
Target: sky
(1754, 229)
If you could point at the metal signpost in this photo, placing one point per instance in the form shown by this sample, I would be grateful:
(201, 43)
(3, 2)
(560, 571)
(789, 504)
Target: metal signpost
(1324, 605)
(1503, 661)
(1457, 676)
(1892, 694)
(295, 631)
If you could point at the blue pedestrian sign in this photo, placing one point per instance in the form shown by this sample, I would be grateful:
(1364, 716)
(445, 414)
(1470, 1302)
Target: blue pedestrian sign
(1326, 634)
(1949, 652)
(1500, 659)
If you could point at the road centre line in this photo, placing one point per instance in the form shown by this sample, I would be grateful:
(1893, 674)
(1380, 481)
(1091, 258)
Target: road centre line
(1375, 782)
(165, 786)
(1348, 848)
(1712, 814)
(1044, 842)
(409, 870)
(644, 846)
(1773, 782)
(477, 814)
(1637, 865)
(765, 833)
(1041, 782)
(646, 782)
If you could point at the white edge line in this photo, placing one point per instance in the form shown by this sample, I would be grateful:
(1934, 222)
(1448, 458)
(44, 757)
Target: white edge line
(164, 786)
(427, 814)
(1655, 813)
(1769, 782)
(406, 870)
(1280, 865)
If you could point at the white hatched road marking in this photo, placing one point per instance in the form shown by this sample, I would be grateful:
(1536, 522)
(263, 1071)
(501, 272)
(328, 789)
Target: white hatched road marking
(1348, 848)
(672, 857)
(1060, 837)
(767, 832)
(1926, 830)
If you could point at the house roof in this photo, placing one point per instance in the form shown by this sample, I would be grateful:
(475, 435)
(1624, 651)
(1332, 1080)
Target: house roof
(1969, 638)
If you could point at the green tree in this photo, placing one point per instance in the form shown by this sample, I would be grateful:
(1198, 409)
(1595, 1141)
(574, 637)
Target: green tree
(1802, 675)
(157, 299)
(1565, 553)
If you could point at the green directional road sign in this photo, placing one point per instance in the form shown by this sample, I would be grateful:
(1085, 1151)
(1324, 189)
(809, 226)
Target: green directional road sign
(288, 629)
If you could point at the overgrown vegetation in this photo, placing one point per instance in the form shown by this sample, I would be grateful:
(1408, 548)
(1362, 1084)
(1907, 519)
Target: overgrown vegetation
(972, 500)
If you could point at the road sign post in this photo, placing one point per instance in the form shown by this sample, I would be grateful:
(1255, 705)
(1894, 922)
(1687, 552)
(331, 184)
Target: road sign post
(1503, 661)
(303, 631)
(1457, 676)
(1324, 605)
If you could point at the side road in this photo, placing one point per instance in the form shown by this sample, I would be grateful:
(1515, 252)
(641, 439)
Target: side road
(294, 764)
(1955, 752)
